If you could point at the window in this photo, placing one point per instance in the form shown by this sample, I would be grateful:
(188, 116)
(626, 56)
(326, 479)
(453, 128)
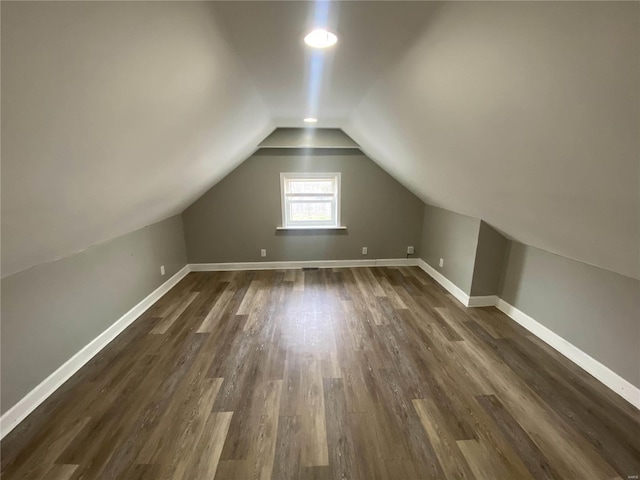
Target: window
(310, 200)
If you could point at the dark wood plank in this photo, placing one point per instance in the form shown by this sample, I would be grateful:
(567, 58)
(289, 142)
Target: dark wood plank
(370, 373)
(528, 451)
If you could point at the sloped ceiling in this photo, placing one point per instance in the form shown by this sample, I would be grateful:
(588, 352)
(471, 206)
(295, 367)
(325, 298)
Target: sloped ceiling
(115, 115)
(292, 78)
(526, 115)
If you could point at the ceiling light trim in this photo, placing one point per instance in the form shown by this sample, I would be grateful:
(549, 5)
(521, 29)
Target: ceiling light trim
(320, 38)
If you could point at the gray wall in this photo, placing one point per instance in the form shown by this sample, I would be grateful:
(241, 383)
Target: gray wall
(596, 310)
(52, 310)
(490, 254)
(454, 238)
(239, 215)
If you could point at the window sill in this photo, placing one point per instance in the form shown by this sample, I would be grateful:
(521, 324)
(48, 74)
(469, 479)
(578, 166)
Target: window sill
(311, 228)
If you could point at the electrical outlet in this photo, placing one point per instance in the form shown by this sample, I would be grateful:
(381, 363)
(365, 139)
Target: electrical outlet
(364, 250)
(410, 250)
(263, 252)
(161, 269)
(441, 262)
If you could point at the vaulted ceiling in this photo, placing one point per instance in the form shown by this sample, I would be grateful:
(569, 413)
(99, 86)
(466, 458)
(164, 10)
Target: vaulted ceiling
(115, 115)
(526, 115)
(118, 114)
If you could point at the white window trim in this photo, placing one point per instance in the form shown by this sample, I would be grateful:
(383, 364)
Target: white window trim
(336, 176)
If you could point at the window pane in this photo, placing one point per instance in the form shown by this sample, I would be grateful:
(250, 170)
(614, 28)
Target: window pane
(310, 186)
(311, 211)
(308, 198)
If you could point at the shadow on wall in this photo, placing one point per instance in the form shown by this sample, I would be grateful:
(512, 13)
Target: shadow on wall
(513, 267)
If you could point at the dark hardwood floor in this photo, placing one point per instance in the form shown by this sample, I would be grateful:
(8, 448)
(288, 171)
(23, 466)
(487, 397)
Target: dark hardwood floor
(365, 373)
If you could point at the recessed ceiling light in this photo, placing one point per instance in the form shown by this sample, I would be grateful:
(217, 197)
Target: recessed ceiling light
(320, 39)
(310, 120)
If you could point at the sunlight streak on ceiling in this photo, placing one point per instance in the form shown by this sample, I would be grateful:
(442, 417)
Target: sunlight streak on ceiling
(317, 63)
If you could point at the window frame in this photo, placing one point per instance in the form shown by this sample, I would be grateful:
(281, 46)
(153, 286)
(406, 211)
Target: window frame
(335, 198)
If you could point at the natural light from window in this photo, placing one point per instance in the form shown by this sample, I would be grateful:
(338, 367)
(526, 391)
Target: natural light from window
(310, 200)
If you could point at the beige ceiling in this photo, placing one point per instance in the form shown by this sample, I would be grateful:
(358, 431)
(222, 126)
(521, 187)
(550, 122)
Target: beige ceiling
(526, 115)
(115, 115)
(268, 37)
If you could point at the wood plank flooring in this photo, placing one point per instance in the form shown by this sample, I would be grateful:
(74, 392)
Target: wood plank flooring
(367, 373)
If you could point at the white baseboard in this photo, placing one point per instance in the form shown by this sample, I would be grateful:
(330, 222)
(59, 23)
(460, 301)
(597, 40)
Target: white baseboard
(222, 267)
(485, 301)
(448, 285)
(39, 394)
(599, 371)
(602, 373)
